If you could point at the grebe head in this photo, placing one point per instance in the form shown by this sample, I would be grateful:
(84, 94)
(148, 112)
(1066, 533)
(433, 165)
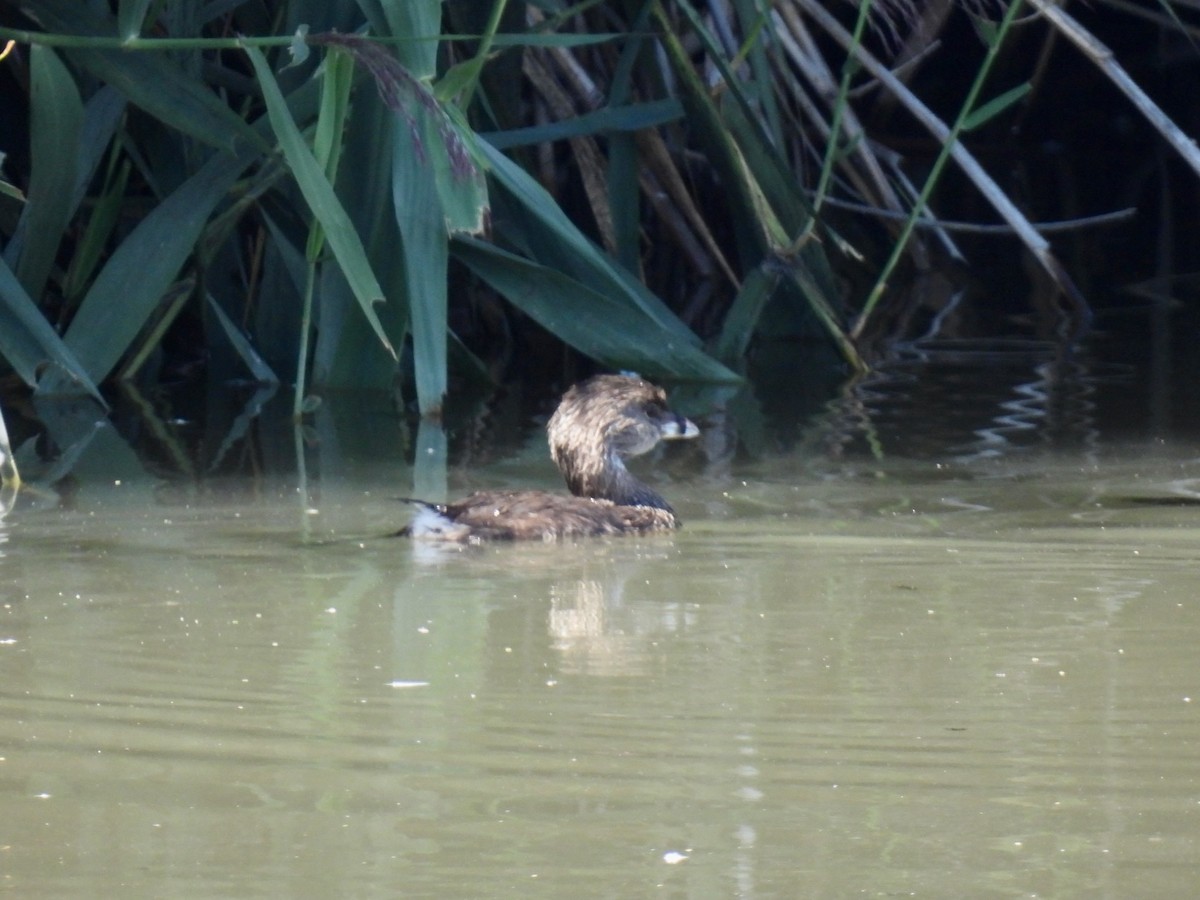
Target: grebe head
(602, 422)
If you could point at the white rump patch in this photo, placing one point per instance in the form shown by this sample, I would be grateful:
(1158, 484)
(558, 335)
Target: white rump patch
(430, 525)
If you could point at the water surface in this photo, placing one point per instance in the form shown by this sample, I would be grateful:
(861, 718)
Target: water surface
(865, 678)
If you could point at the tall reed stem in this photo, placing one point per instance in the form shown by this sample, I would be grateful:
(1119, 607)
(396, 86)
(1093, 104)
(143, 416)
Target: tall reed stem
(969, 104)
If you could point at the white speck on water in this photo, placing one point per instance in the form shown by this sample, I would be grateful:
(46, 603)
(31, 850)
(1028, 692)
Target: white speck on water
(674, 857)
(407, 684)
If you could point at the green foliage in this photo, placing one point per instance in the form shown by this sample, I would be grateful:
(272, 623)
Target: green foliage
(312, 178)
(602, 325)
(206, 156)
(57, 121)
(985, 112)
(196, 158)
(28, 341)
(137, 275)
(971, 115)
(331, 218)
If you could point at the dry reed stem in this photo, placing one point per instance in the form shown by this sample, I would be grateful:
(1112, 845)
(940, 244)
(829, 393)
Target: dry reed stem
(587, 152)
(871, 181)
(992, 192)
(666, 175)
(1103, 58)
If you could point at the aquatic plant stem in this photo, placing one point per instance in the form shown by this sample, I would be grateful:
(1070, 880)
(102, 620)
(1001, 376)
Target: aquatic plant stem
(839, 107)
(474, 66)
(100, 42)
(327, 149)
(302, 345)
(968, 106)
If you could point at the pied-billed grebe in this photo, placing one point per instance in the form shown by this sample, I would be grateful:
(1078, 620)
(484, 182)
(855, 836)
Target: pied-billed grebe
(599, 424)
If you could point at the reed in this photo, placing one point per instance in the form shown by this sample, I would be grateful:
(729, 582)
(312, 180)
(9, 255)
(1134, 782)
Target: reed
(328, 186)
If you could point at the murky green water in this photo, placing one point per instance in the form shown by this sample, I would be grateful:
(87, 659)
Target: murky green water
(908, 680)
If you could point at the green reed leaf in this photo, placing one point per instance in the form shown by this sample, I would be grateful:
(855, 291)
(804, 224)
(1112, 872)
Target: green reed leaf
(555, 241)
(742, 319)
(30, 345)
(634, 117)
(424, 243)
(152, 81)
(420, 21)
(988, 111)
(56, 123)
(258, 367)
(130, 16)
(318, 193)
(613, 332)
(128, 289)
